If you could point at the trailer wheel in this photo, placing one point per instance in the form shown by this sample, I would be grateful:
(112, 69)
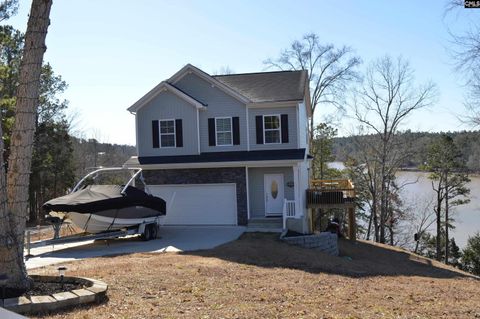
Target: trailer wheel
(154, 231)
(147, 233)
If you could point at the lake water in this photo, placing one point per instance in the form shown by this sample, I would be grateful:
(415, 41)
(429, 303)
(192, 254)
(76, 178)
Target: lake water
(467, 217)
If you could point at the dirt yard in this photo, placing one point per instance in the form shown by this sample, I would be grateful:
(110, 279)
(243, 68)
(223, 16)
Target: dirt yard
(258, 276)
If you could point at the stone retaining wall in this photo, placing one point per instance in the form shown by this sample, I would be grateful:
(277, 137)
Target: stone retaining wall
(326, 242)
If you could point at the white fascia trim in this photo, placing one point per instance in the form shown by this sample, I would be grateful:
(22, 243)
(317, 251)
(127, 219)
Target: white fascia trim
(248, 191)
(198, 131)
(163, 86)
(248, 128)
(297, 113)
(136, 134)
(187, 69)
(290, 103)
(307, 100)
(216, 164)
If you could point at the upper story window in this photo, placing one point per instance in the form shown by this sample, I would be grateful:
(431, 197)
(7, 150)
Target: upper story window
(223, 129)
(272, 129)
(167, 133)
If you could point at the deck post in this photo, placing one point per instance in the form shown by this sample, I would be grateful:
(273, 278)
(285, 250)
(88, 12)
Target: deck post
(351, 224)
(310, 220)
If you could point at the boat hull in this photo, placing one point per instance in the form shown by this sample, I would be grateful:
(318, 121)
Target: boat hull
(105, 221)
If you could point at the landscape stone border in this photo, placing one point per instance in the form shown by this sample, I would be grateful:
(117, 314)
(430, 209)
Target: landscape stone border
(325, 241)
(94, 291)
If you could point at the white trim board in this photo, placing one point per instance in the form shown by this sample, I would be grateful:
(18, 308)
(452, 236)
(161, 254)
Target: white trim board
(188, 69)
(161, 87)
(216, 164)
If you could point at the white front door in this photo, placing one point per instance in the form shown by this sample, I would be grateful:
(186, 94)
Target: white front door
(273, 187)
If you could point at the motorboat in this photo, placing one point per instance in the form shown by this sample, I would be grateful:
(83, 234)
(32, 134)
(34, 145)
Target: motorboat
(98, 208)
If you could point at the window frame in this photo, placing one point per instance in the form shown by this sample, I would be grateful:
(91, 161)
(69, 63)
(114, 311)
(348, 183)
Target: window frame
(174, 133)
(279, 129)
(231, 130)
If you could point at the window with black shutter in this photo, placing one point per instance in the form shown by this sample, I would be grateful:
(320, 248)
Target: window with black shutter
(179, 133)
(259, 128)
(211, 132)
(284, 125)
(155, 134)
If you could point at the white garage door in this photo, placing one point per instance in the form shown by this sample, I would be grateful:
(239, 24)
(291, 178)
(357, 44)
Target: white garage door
(200, 204)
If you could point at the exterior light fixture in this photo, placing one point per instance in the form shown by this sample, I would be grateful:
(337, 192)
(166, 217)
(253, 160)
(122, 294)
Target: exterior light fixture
(61, 272)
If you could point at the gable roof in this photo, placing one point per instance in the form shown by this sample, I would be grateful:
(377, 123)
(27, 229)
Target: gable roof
(248, 88)
(187, 69)
(165, 86)
(268, 86)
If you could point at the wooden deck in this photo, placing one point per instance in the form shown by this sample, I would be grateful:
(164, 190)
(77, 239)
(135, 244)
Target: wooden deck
(331, 194)
(334, 193)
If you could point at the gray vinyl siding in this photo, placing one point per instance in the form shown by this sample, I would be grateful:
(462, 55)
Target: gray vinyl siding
(167, 105)
(256, 191)
(292, 127)
(219, 104)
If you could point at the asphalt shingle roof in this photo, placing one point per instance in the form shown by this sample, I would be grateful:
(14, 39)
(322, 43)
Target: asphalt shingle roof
(267, 86)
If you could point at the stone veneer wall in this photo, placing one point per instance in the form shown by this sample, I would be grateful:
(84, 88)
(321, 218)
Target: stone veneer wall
(205, 176)
(326, 242)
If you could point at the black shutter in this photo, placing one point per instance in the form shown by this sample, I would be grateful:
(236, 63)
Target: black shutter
(178, 133)
(284, 121)
(259, 125)
(236, 130)
(211, 132)
(155, 134)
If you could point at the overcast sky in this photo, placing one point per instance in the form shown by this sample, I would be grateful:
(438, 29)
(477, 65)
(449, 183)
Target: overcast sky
(112, 52)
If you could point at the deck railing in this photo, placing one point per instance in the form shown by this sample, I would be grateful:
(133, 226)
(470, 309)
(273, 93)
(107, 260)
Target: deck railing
(330, 192)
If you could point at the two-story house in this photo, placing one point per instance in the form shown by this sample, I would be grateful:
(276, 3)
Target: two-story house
(226, 149)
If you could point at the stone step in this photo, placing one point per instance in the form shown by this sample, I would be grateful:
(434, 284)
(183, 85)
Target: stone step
(276, 223)
(263, 230)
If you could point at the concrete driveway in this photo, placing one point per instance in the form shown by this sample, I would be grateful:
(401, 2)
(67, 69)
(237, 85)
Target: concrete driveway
(172, 239)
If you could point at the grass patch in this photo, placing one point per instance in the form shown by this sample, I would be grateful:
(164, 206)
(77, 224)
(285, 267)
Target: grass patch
(259, 276)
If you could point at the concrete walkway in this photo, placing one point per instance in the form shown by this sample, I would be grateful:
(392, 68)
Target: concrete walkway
(172, 239)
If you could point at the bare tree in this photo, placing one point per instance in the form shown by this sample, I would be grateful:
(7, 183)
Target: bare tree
(330, 70)
(224, 70)
(384, 101)
(419, 217)
(465, 51)
(14, 207)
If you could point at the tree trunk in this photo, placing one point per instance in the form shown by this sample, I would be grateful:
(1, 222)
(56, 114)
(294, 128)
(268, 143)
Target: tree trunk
(446, 225)
(439, 222)
(310, 133)
(375, 220)
(392, 241)
(19, 163)
(369, 229)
